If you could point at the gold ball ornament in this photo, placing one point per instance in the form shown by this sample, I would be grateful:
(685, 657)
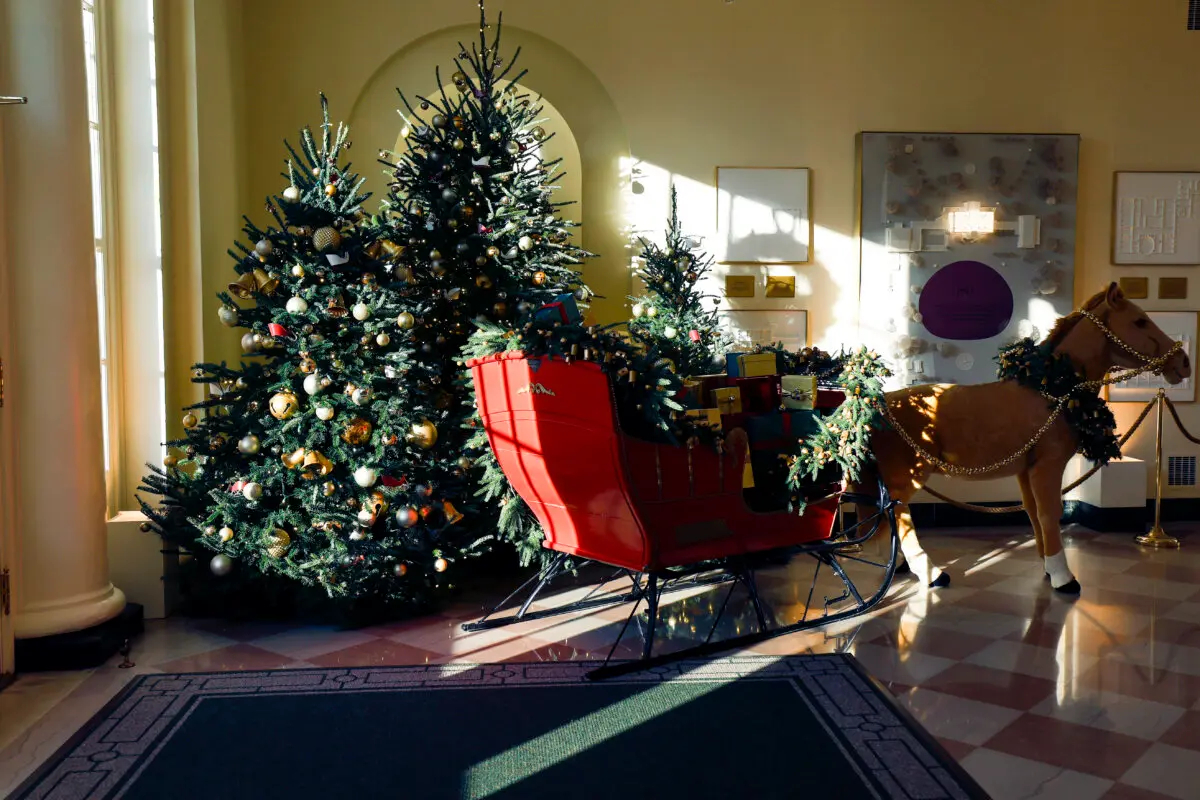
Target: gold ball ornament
(190, 420)
(145, 527)
(284, 405)
(357, 432)
(225, 534)
(424, 434)
(539, 278)
(307, 365)
(407, 517)
(330, 189)
(328, 488)
(400, 570)
(326, 239)
(278, 543)
(406, 320)
(441, 565)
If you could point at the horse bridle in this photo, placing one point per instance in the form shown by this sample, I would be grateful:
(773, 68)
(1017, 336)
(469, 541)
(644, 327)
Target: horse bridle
(1156, 363)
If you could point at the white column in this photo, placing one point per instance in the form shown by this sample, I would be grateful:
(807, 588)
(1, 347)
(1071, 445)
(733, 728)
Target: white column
(60, 565)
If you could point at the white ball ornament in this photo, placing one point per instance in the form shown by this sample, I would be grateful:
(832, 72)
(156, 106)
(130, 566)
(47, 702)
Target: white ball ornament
(313, 384)
(297, 305)
(670, 332)
(364, 516)
(220, 565)
(525, 243)
(361, 397)
(652, 312)
(361, 311)
(291, 194)
(228, 316)
(364, 477)
(358, 534)
(325, 413)
(638, 309)
(298, 271)
(225, 534)
(252, 490)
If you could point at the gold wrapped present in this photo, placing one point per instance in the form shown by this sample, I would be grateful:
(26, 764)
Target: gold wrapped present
(728, 401)
(799, 392)
(756, 365)
(706, 417)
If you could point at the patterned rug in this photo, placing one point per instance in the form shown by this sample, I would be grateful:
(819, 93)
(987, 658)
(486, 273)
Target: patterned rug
(799, 726)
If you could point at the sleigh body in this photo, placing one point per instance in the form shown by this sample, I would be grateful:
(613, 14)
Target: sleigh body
(664, 515)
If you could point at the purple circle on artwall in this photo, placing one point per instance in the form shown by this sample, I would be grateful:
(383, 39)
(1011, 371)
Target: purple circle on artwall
(967, 301)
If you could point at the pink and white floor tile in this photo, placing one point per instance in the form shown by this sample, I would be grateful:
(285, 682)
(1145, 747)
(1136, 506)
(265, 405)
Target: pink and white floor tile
(1036, 696)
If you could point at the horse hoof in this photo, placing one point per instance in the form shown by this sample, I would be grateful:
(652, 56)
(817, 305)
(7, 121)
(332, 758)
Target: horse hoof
(942, 581)
(1071, 588)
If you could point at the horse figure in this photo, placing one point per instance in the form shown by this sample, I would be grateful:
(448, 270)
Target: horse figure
(978, 425)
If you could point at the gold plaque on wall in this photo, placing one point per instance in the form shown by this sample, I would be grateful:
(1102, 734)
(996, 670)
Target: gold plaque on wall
(739, 286)
(781, 286)
(1172, 288)
(1136, 288)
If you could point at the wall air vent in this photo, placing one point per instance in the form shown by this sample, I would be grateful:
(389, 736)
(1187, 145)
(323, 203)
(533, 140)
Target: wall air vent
(1181, 471)
(1193, 15)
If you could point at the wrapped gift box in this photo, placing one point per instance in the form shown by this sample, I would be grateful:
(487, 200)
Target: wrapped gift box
(779, 432)
(700, 389)
(751, 365)
(799, 392)
(759, 394)
(728, 400)
(563, 309)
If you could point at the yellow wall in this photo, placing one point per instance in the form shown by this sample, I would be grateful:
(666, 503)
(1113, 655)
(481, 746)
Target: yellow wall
(756, 82)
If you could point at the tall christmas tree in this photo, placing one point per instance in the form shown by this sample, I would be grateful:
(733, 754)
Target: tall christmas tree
(482, 244)
(673, 317)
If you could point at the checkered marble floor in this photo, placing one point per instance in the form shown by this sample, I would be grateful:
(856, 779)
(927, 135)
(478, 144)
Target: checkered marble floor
(1036, 695)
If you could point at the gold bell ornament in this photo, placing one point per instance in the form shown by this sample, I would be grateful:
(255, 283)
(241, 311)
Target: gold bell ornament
(284, 405)
(316, 465)
(337, 307)
(293, 459)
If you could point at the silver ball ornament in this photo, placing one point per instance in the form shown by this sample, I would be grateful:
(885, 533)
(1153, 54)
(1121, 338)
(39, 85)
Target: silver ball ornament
(249, 444)
(228, 316)
(220, 565)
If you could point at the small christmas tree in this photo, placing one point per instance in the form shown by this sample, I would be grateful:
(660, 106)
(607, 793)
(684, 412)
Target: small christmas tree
(309, 464)
(673, 317)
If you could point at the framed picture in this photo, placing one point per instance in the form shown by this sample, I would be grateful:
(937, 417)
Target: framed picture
(763, 215)
(750, 327)
(1156, 218)
(1180, 326)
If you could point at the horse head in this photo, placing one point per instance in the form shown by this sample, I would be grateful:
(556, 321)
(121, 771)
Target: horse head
(1129, 323)
(1120, 335)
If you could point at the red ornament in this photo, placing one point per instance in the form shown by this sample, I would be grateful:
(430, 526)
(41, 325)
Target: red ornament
(694, 335)
(277, 330)
(389, 481)
(237, 487)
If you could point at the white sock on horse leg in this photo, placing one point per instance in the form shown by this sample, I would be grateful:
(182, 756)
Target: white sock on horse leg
(1057, 569)
(918, 561)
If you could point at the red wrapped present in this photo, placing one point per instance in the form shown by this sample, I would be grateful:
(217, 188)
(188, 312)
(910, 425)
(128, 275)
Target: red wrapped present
(759, 394)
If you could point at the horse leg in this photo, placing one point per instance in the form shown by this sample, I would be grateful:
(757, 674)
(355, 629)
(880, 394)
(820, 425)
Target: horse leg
(1031, 509)
(916, 558)
(1046, 482)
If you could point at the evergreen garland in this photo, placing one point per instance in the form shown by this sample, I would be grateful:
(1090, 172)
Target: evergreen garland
(1054, 376)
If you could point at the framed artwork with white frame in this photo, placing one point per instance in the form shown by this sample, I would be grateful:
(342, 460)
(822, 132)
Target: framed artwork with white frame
(751, 327)
(1156, 218)
(1180, 326)
(764, 215)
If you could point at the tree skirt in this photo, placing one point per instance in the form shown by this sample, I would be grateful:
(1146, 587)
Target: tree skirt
(799, 726)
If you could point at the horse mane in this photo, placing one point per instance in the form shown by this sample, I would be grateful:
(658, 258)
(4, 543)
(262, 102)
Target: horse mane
(1067, 323)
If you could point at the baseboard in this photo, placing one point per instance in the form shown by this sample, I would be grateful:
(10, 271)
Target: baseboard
(1104, 520)
(83, 649)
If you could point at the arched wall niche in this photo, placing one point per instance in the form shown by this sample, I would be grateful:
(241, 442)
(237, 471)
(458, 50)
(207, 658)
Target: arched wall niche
(572, 90)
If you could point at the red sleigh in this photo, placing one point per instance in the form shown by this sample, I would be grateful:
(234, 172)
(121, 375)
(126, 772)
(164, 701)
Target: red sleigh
(666, 517)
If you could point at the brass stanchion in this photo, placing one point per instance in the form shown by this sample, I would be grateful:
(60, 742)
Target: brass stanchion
(1157, 537)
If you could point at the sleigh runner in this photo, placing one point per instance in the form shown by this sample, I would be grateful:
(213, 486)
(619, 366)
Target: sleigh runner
(664, 517)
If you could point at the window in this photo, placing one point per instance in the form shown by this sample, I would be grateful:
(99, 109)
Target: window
(93, 93)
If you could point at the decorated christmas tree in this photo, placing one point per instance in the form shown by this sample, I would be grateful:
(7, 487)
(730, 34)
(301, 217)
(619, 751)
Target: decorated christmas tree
(311, 462)
(675, 317)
